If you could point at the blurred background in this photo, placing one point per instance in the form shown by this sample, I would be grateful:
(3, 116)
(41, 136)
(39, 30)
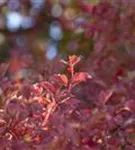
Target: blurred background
(44, 28)
(41, 32)
(36, 34)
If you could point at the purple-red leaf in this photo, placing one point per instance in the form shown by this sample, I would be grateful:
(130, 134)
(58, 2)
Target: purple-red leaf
(26, 91)
(15, 109)
(48, 86)
(80, 77)
(104, 96)
(60, 79)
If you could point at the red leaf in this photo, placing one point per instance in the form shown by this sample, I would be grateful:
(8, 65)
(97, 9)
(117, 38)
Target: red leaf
(64, 79)
(60, 79)
(48, 86)
(17, 110)
(104, 96)
(73, 60)
(80, 77)
(26, 91)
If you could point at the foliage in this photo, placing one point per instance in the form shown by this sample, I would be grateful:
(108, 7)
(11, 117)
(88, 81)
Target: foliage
(92, 109)
(47, 114)
(42, 115)
(112, 30)
(112, 66)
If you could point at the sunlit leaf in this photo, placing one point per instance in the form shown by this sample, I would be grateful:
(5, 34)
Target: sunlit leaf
(80, 77)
